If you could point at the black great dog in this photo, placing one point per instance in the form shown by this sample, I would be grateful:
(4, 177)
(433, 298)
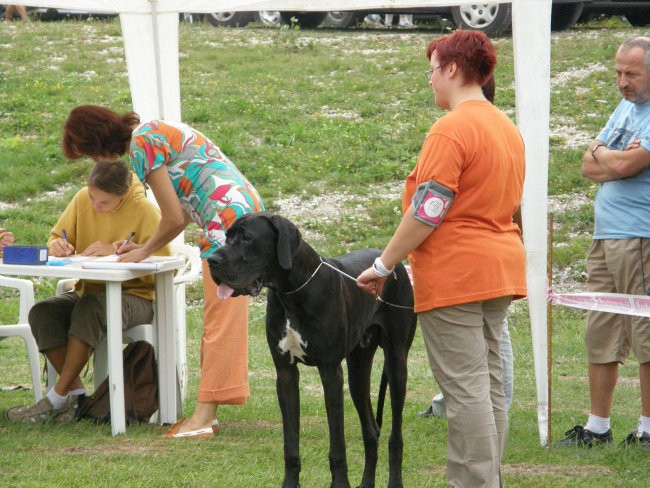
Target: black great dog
(319, 317)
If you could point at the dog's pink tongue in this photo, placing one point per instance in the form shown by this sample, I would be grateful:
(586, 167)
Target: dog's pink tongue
(224, 291)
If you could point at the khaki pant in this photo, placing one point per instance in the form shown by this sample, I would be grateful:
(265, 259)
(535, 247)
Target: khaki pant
(618, 266)
(54, 319)
(224, 347)
(463, 343)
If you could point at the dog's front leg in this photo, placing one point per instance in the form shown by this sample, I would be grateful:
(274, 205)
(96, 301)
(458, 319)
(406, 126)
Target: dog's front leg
(289, 400)
(332, 378)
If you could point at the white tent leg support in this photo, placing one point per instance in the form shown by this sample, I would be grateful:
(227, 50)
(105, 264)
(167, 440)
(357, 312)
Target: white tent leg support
(532, 88)
(151, 49)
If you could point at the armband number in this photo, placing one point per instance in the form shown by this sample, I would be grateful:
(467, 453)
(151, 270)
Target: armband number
(431, 202)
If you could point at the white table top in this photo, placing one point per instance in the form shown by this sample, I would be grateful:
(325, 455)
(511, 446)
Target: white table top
(75, 270)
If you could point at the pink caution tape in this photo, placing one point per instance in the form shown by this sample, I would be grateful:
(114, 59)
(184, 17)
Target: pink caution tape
(638, 305)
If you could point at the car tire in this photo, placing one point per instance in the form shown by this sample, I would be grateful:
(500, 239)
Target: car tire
(268, 18)
(340, 20)
(586, 17)
(638, 17)
(565, 15)
(493, 19)
(306, 20)
(229, 19)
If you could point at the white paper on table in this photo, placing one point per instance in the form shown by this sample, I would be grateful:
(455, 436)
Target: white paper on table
(152, 263)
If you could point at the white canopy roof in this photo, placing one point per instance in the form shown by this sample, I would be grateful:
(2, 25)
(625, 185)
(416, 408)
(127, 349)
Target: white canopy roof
(150, 31)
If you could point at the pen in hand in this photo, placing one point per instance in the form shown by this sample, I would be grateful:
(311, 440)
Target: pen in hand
(65, 241)
(126, 241)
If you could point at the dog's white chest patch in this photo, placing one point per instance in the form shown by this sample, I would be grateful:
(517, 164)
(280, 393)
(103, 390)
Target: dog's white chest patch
(293, 344)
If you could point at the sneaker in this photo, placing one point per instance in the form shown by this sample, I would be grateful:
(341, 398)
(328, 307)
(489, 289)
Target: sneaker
(42, 411)
(36, 412)
(637, 437)
(437, 408)
(68, 412)
(426, 413)
(581, 437)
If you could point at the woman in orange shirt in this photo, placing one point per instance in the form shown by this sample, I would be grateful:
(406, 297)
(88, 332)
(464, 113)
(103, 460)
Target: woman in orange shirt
(465, 251)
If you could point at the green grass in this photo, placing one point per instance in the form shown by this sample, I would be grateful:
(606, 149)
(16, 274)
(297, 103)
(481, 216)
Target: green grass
(302, 113)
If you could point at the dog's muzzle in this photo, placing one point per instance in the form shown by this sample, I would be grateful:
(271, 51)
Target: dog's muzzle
(225, 291)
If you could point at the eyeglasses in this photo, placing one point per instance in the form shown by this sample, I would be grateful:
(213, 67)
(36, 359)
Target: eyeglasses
(429, 72)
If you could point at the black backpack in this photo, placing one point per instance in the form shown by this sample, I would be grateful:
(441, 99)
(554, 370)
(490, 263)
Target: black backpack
(140, 388)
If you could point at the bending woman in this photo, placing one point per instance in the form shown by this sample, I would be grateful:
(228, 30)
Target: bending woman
(192, 180)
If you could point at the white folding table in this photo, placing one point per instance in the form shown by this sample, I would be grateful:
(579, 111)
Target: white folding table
(164, 316)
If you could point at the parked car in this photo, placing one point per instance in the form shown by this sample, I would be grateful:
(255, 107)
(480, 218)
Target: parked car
(637, 12)
(492, 18)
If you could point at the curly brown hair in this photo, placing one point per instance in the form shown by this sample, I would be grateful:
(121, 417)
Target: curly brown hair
(95, 131)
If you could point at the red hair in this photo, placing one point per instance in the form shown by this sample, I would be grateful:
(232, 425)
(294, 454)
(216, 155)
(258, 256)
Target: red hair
(95, 131)
(472, 51)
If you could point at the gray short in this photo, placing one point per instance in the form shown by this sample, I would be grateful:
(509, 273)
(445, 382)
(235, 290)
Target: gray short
(54, 319)
(618, 266)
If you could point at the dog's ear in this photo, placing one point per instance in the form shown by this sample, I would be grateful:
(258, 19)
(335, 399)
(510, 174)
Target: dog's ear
(288, 240)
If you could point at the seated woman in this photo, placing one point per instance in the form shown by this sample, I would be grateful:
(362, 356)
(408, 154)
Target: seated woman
(68, 327)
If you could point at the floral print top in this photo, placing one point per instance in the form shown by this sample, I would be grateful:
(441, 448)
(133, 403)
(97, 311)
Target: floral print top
(209, 186)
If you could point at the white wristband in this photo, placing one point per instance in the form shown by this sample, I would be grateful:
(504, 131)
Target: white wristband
(381, 270)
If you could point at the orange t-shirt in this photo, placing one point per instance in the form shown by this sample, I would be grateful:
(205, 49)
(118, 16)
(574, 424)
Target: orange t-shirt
(476, 253)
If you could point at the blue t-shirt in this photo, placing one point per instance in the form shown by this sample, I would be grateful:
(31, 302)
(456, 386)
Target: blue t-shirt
(622, 207)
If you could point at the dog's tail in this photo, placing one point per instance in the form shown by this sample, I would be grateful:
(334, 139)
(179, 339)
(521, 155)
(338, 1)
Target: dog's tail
(381, 397)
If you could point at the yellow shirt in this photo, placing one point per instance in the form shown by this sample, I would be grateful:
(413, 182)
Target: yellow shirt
(84, 226)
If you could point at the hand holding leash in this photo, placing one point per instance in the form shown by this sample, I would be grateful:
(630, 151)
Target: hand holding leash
(369, 282)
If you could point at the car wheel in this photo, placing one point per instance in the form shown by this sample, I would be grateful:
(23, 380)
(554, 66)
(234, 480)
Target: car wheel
(586, 17)
(493, 19)
(564, 15)
(340, 20)
(229, 19)
(305, 20)
(638, 18)
(268, 18)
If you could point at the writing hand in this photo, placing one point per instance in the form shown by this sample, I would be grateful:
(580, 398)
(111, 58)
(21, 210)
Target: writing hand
(7, 238)
(61, 248)
(135, 255)
(120, 248)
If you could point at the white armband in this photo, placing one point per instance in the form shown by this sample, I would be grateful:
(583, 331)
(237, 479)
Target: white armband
(431, 202)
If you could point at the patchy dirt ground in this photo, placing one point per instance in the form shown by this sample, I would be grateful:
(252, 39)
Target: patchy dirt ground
(333, 205)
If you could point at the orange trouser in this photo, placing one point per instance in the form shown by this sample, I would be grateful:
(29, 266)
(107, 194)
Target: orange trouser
(224, 347)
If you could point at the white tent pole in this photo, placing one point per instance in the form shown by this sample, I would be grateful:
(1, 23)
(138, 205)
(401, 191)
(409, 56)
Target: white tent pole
(532, 89)
(156, 53)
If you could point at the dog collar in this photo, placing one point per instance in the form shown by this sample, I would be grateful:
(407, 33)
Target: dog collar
(306, 282)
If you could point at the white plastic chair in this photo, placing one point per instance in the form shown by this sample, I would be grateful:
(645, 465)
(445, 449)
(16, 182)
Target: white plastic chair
(22, 328)
(188, 273)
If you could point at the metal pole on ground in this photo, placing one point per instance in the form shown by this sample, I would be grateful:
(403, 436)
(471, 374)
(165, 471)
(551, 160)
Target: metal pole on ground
(549, 328)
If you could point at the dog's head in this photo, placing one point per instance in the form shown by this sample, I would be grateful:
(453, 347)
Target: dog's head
(257, 246)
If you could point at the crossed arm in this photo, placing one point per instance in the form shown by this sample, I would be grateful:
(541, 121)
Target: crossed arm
(601, 164)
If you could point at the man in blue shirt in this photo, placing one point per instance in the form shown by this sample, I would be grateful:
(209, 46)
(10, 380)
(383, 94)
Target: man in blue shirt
(619, 257)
